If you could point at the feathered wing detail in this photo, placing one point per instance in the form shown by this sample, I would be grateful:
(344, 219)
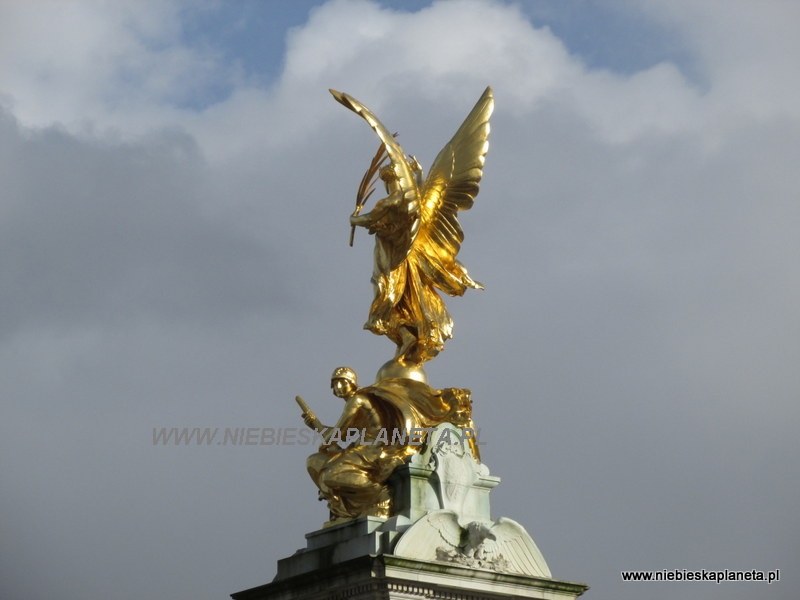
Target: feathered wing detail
(403, 211)
(452, 185)
(519, 549)
(446, 523)
(393, 149)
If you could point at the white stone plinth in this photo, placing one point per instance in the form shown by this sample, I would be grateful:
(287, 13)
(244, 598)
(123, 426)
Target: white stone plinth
(440, 543)
(389, 577)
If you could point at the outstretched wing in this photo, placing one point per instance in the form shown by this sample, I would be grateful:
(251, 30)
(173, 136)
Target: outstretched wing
(407, 182)
(519, 550)
(446, 523)
(452, 185)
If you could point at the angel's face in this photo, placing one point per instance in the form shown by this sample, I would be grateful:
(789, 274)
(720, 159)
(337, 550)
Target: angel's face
(389, 178)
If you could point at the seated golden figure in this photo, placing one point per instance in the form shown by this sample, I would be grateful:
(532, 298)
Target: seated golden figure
(353, 478)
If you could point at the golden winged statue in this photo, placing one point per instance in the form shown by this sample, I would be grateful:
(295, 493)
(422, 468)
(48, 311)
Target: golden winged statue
(417, 233)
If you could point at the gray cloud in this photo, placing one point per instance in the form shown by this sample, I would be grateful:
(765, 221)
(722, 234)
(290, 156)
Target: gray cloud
(101, 230)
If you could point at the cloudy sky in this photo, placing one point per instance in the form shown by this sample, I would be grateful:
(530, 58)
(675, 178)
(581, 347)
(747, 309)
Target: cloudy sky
(176, 182)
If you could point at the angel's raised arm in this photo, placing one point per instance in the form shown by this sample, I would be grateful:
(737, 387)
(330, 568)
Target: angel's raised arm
(406, 178)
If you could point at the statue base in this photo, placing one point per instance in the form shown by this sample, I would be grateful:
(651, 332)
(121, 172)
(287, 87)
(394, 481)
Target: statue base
(440, 543)
(393, 577)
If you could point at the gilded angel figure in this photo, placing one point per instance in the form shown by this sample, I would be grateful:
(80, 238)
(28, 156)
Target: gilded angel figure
(417, 233)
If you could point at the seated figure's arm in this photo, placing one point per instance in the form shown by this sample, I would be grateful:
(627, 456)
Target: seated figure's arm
(346, 419)
(309, 418)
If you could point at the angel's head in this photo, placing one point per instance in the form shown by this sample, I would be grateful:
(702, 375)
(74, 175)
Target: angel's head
(389, 177)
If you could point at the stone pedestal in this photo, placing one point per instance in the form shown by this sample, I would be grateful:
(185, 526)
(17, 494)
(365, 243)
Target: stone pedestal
(389, 577)
(440, 543)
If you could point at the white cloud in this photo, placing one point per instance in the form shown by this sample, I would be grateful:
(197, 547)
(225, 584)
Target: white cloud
(120, 65)
(746, 50)
(464, 44)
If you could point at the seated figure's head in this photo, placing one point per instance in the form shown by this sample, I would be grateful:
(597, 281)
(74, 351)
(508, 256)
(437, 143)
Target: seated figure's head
(344, 382)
